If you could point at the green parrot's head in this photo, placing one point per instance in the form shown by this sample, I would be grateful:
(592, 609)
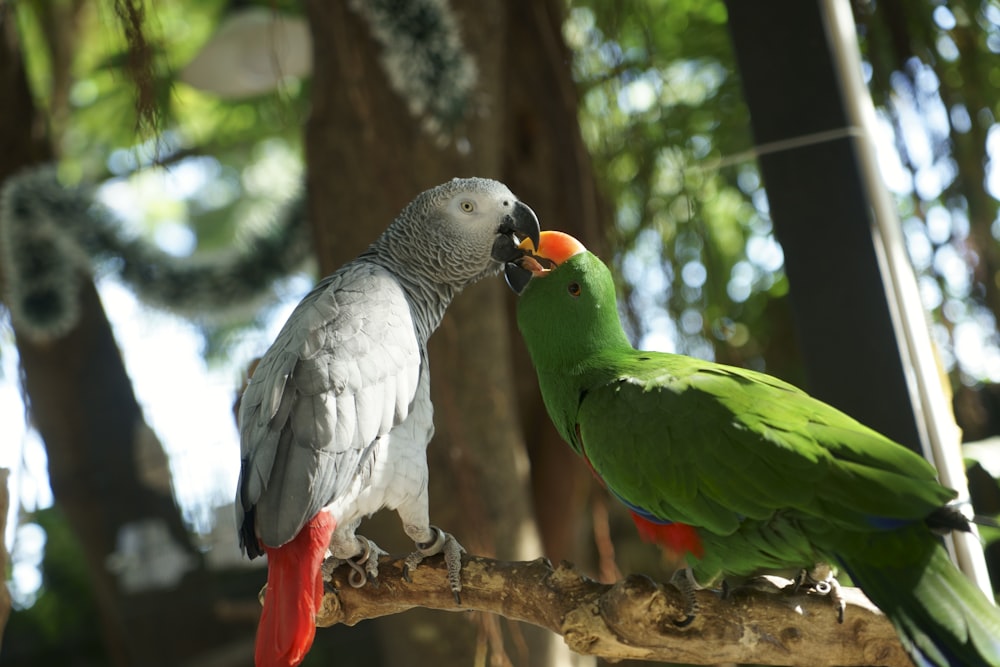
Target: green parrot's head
(567, 310)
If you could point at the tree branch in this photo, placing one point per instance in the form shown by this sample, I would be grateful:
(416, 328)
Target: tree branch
(634, 618)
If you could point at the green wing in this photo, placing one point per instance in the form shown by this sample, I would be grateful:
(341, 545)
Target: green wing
(712, 445)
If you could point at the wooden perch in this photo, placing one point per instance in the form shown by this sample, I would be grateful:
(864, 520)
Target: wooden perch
(634, 618)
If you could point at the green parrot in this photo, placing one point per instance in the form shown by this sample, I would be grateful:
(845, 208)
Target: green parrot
(743, 472)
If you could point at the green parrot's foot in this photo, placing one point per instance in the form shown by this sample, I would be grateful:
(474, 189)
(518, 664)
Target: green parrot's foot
(443, 543)
(684, 581)
(821, 581)
(364, 567)
(763, 584)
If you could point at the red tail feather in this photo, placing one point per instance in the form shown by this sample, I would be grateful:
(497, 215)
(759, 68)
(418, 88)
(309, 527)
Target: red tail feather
(294, 593)
(679, 538)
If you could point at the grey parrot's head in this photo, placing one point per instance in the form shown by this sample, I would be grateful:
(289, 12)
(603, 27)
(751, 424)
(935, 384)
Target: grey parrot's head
(461, 231)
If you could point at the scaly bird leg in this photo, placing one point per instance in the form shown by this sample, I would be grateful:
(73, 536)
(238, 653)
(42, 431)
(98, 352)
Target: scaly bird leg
(684, 581)
(821, 580)
(440, 542)
(364, 565)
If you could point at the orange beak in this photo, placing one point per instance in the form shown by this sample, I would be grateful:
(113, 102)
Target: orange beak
(553, 249)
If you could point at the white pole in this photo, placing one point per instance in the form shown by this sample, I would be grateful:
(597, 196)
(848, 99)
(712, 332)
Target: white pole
(940, 436)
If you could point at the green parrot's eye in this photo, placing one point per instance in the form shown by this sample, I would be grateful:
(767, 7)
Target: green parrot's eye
(467, 206)
(573, 289)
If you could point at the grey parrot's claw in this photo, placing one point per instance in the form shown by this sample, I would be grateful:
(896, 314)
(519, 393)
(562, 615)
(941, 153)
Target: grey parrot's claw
(443, 543)
(327, 568)
(684, 581)
(435, 545)
(358, 577)
(364, 567)
(326, 571)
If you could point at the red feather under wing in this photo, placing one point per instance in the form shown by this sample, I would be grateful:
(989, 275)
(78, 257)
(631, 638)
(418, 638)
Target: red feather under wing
(678, 538)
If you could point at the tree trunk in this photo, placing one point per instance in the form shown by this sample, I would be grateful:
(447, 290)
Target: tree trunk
(82, 404)
(367, 157)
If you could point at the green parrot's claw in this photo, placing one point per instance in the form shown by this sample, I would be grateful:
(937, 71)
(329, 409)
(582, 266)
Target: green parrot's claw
(732, 585)
(821, 581)
(686, 621)
(684, 581)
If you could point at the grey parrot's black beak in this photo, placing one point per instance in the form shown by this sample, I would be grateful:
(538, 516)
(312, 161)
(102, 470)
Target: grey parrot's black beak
(538, 259)
(520, 224)
(516, 276)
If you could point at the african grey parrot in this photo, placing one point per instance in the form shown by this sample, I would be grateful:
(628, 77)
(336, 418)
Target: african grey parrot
(335, 421)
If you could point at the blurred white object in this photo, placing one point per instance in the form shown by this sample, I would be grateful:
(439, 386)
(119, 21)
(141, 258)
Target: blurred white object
(251, 53)
(986, 452)
(147, 557)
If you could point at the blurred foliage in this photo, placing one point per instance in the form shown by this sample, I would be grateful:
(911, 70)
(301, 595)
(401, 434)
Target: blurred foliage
(207, 169)
(662, 112)
(935, 77)
(93, 106)
(663, 115)
(62, 626)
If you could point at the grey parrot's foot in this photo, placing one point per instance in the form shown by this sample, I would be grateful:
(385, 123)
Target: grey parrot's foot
(364, 567)
(443, 543)
(684, 581)
(326, 572)
(821, 581)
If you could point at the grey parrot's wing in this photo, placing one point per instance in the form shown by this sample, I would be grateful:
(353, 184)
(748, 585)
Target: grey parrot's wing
(341, 373)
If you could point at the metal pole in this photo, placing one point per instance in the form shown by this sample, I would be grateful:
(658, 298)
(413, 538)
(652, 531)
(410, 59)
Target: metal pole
(940, 436)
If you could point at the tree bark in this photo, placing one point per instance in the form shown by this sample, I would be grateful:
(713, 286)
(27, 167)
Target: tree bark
(546, 162)
(367, 157)
(635, 618)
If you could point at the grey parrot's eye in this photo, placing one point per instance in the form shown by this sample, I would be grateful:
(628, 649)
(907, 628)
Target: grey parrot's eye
(467, 206)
